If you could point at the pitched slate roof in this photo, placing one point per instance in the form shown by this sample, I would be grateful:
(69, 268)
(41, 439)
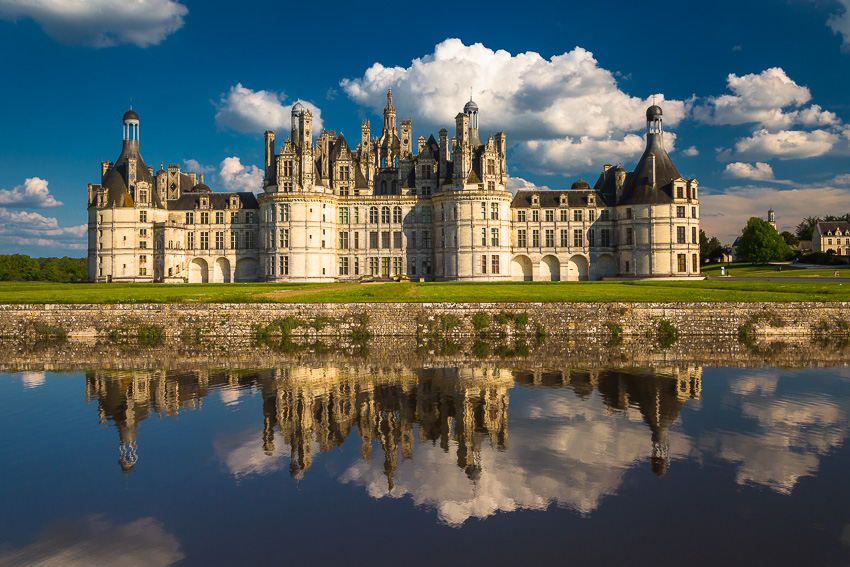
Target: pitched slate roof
(218, 201)
(117, 177)
(550, 198)
(638, 190)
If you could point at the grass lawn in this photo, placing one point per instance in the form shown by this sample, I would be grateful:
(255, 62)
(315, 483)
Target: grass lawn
(708, 290)
(770, 270)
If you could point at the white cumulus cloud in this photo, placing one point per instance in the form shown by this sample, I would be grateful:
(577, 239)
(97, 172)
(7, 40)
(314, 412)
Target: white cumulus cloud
(840, 24)
(196, 166)
(515, 184)
(762, 99)
(758, 171)
(235, 176)
(565, 104)
(785, 144)
(22, 228)
(100, 23)
(690, 152)
(33, 193)
(253, 112)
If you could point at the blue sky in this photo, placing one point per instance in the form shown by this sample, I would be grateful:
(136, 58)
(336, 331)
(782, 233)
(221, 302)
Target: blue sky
(754, 93)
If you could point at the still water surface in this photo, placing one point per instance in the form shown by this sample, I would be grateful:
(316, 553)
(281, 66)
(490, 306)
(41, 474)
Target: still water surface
(694, 466)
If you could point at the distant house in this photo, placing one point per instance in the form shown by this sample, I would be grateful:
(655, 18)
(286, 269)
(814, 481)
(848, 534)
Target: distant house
(832, 237)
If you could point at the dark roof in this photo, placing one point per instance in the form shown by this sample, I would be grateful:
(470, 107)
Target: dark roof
(653, 111)
(218, 201)
(130, 115)
(580, 184)
(832, 226)
(115, 180)
(638, 190)
(550, 198)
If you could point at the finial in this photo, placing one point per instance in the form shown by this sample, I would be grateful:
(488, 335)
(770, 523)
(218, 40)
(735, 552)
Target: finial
(470, 94)
(131, 103)
(653, 100)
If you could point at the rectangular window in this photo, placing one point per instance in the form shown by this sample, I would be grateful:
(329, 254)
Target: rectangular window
(356, 240)
(680, 262)
(680, 194)
(396, 214)
(249, 217)
(549, 215)
(604, 215)
(385, 267)
(412, 239)
(427, 214)
(396, 266)
(426, 239)
(385, 239)
(219, 241)
(343, 240)
(565, 238)
(577, 215)
(483, 210)
(680, 235)
(695, 263)
(484, 263)
(680, 211)
(494, 264)
(343, 215)
(550, 237)
(520, 216)
(591, 237)
(234, 218)
(565, 215)
(143, 270)
(629, 239)
(591, 215)
(356, 266)
(205, 218)
(190, 218)
(373, 267)
(693, 212)
(234, 240)
(284, 238)
(413, 267)
(535, 215)
(284, 265)
(249, 239)
(143, 259)
(535, 238)
(606, 237)
(143, 244)
(578, 241)
(373, 239)
(143, 216)
(205, 241)
(494, 211)
(356, 215)
(483, 237)
(521, 238)
(494, 237)
(397, 239)
(343, 266)
(694, 235)
(219, 217)
(385, 215)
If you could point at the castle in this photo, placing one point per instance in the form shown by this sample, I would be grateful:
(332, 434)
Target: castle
(433, 209)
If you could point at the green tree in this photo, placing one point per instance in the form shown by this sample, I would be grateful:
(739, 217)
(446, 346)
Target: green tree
(760, 243)
(790, 239)
(806, 227)
(710, 249)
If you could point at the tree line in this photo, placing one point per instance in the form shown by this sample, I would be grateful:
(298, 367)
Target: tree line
(22, 268)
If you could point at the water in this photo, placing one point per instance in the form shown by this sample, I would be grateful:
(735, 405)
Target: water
(324, 464)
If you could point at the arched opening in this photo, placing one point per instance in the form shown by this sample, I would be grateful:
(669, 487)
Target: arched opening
(577, 269)
(521, 269)
(606, 266)
(550, 269)
(221, 271)
(247, 270)
(198, 271)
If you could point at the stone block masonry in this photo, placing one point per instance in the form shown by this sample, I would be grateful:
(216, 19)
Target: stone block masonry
(447, 320)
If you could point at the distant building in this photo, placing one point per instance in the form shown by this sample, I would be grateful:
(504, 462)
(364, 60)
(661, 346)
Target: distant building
(831, 237)
(432, 209)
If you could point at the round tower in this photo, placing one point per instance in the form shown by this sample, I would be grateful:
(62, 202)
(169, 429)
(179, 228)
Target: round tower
(131, 128)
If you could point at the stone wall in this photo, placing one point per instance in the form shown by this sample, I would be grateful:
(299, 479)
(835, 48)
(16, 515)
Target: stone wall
(446, 320)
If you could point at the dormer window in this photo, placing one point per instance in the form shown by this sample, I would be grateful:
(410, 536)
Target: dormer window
(591, 200)
(205, 202)
(564, 201)
(535, 200)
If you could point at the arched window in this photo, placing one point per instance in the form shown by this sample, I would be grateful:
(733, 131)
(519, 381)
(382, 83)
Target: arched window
(373, 214)
(385, 215)
(383, 187)
(397, 214)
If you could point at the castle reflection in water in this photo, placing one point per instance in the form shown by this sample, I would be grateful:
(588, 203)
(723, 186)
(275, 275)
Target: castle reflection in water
(309, 409)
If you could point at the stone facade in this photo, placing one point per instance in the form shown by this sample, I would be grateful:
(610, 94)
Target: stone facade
(432, 209)
(831, 237)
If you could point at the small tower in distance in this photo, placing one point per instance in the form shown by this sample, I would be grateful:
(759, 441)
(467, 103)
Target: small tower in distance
(771, 217)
